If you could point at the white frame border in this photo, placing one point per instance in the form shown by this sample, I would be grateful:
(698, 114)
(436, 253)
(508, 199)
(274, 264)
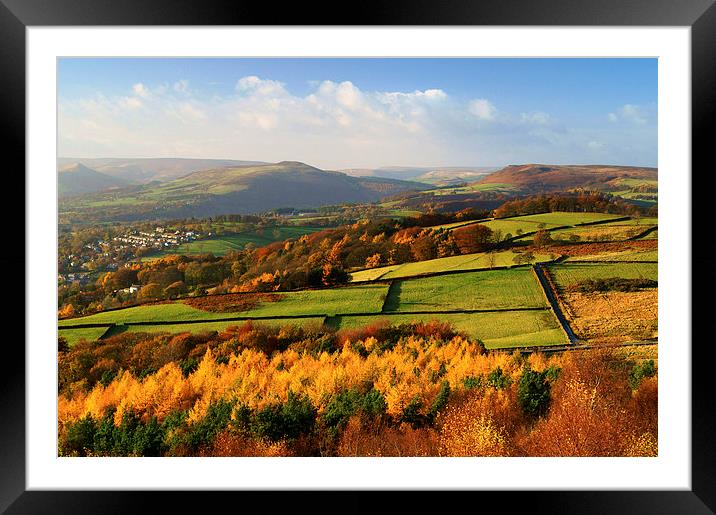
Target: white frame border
(671, 470)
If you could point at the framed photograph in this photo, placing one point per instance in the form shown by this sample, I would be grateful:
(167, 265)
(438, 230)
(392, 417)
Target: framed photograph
(417, 252)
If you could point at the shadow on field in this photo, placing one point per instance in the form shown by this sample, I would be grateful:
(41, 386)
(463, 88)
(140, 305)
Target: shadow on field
(392, 297)
(333, 322)
(114, 331)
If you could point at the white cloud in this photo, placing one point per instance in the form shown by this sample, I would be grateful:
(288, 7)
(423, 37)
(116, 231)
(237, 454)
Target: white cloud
(140, 90)
(483, 109)
(631, 113)
(132, 102)
(254, 85)
(336, 124)
(535, 117)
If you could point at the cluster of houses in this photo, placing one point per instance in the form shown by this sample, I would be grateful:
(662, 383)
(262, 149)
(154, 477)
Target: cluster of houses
(158, 239)
(82, 277)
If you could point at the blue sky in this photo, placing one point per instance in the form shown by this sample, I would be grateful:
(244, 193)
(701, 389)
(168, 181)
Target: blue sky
(362, 112)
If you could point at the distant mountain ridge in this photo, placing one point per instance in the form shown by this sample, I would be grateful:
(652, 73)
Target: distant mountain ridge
(437, 175)
(146, 170)
(247, 189)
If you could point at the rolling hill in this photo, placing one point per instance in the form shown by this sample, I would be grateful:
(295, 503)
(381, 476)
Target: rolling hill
(77, 179)
(438, 176)
(539, 178)
(146, 170)
(242, 190)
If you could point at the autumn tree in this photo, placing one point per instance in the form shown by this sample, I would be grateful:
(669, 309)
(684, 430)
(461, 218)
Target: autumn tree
(424, 248)
(473, 238)
(67, 311)
(175, 289)
(523, 257)
(151, 291)
(542, 238)
(373, 261)
(123, 278)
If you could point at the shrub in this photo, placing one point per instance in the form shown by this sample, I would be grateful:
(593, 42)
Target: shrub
(613, 284)
(498, 380)
(640, 371)
(533, 392)
(440, 402)
(471, 382)
(217, 417)
(79, 437)
(290, 420)
(188, 366)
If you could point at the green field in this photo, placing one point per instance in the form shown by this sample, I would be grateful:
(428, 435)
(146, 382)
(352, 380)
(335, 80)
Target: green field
(74, 336)
(464, 262)
(146, 313)
(566, 218)
(653, 235)
(352, 299)
(570, 273)
(472, 188)
(453, 225)
(222, 244)
(372, 273)
(605, 232)
(403, 213)
(533, 223)
(496, 330)
(491, 289)
(626, 255)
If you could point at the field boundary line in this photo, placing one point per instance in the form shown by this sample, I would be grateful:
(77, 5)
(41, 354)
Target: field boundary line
(608, 221)
(643, 233)
(595, 262)
(550, 294)
(566, 348)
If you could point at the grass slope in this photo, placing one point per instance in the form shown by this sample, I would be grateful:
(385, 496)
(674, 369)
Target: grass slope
(74, 336)
(491, 289)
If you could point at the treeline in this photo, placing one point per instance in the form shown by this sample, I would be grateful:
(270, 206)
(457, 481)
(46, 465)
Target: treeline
(411, 390)
(592, 202)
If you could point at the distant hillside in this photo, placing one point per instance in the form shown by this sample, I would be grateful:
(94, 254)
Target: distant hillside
(246, 189)
(534, 178)
(77, 179)
(146, 170)
(439, 176)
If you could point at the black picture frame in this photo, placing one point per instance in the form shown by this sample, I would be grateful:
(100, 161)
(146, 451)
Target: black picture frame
(700, 15)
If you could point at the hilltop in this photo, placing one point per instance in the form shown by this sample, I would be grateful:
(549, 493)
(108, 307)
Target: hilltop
(76, 179)
(539, 178)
